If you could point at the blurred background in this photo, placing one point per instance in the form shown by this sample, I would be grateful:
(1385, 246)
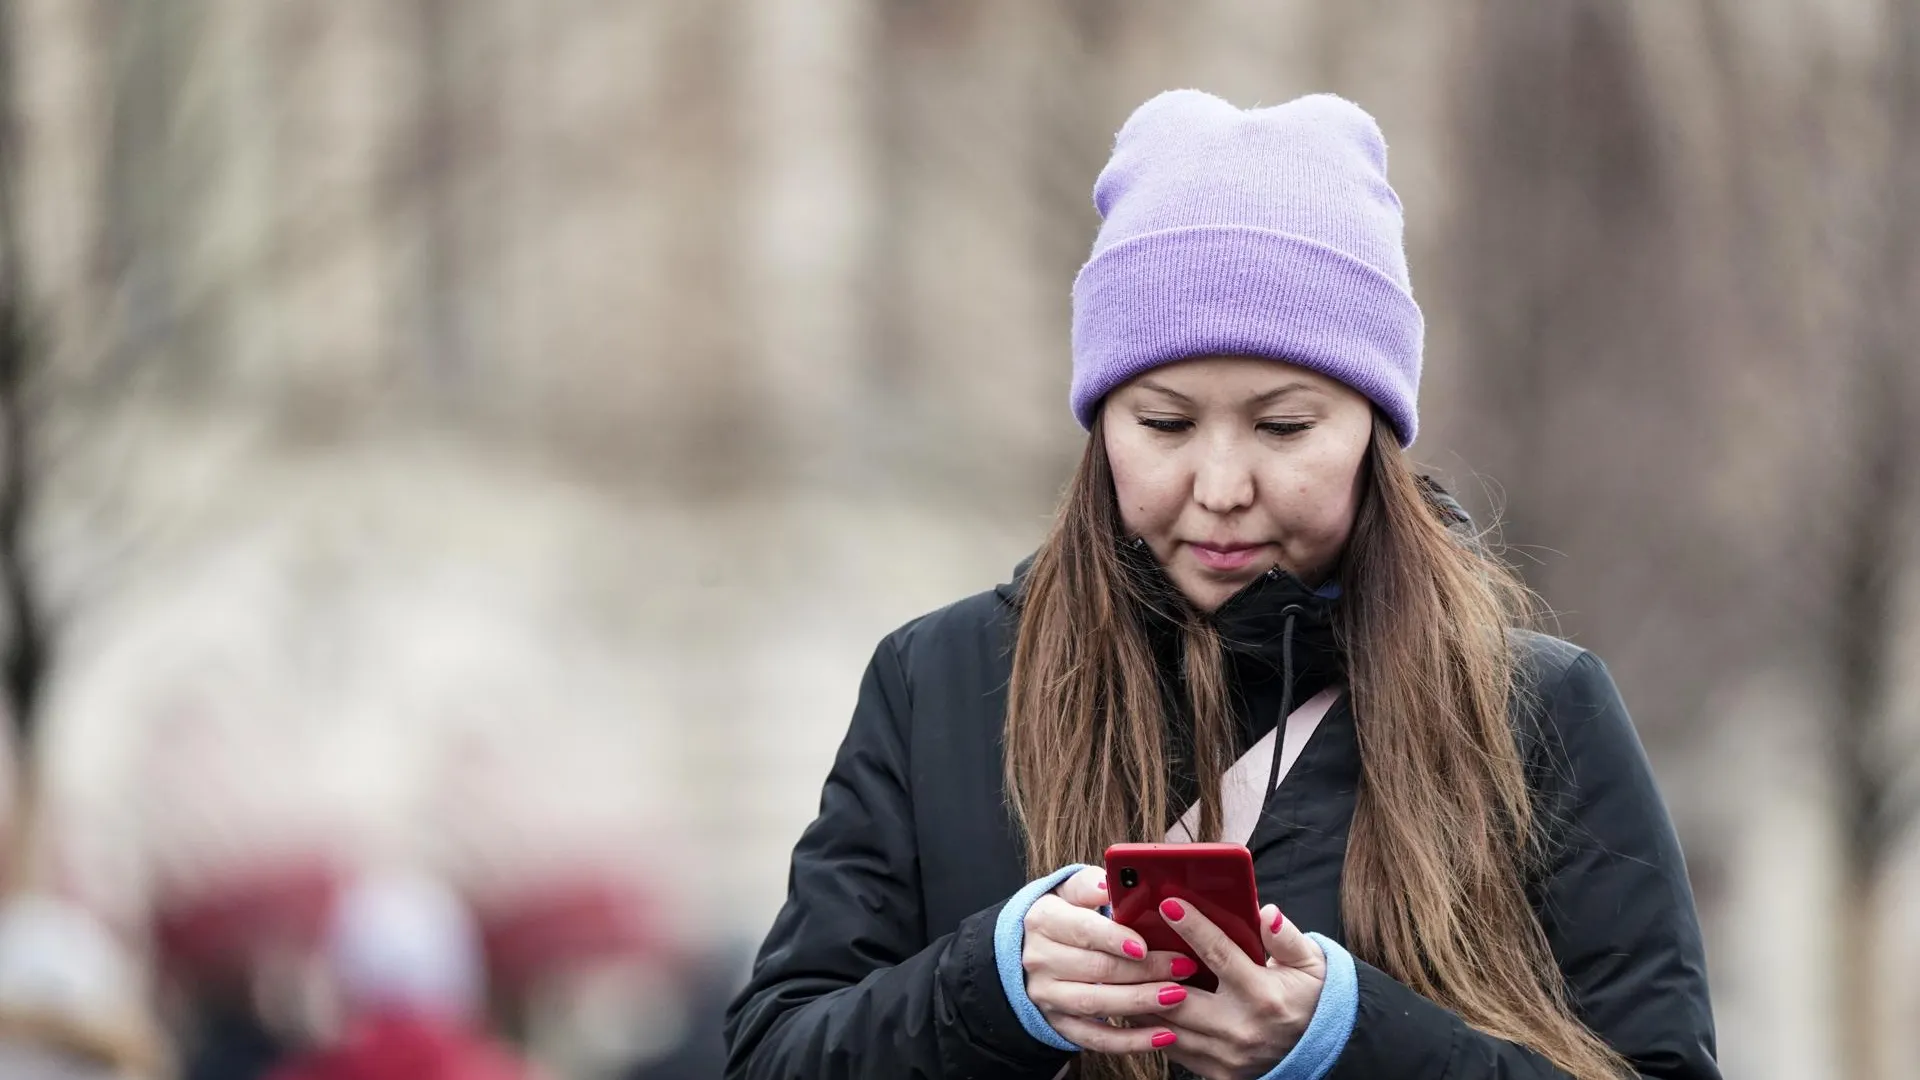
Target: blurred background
(459, 455)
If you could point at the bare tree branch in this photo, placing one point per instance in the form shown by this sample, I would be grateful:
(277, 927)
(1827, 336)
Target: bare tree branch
(24, 658)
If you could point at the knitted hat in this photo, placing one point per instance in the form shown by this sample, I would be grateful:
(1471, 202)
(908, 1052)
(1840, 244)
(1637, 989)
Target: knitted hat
(407, 942)
(1260, 232)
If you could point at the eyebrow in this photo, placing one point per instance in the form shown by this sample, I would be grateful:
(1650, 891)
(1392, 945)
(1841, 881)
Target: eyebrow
(1260, 399)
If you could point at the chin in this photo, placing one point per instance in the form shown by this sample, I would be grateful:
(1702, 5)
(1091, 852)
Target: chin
(1209, 593)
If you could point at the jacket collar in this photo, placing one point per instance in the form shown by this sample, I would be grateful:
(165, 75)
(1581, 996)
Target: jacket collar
(1252, 622)
(1249, 611)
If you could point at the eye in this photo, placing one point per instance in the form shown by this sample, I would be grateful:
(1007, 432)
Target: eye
(1284, 427)
(1158, 424)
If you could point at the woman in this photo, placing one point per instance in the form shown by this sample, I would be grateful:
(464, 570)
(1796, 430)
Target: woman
(73, 1003)
(1477, 876)
(405, 962)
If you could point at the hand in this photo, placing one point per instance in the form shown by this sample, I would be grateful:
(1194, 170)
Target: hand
(1083, 967)
(1242, 1030)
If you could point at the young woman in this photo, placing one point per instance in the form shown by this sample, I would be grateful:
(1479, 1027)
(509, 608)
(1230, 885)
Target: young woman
(1246, 586)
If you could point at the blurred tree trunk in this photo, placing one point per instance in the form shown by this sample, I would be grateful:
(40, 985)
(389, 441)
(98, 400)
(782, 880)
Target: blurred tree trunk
(808, 149)
(1876, 809)
(455, 188)
(19, 637)
(1645, 277)
(971, 291)
(1565, 275)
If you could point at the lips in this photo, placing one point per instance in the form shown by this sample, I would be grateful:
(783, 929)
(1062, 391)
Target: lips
(1225, 557)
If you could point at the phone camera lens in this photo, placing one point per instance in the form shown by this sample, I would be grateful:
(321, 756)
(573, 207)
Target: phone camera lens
(1129, 877)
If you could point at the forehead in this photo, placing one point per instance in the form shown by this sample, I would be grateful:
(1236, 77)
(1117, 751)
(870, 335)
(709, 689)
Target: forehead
(1235, 378)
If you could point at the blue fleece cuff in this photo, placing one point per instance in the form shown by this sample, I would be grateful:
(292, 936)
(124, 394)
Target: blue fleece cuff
(1010, 936)
(1326, 1035)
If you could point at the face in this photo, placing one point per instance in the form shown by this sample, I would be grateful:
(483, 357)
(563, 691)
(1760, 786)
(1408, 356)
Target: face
(1228, 466)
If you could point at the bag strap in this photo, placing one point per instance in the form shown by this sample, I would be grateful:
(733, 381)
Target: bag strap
(1241, 797)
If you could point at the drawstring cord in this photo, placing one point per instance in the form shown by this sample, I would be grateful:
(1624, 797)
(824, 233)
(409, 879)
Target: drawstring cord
(1292, 612)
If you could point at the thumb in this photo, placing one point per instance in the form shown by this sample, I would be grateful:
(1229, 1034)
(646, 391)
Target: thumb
(1288, 945)
(1087, 889)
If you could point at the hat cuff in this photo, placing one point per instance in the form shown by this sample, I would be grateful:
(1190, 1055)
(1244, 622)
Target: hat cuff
(1183, 293)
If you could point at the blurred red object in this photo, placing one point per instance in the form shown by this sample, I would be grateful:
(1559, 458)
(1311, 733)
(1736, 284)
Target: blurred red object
(540, 929)
(220, 928)
(408, 1046)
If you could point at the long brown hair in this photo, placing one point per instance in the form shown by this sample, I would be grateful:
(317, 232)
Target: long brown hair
(1443, 832)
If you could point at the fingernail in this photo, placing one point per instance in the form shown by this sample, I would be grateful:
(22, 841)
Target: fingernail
(1172, 910)
(1278, 920)
(1101, 885)
(1184, 968)
(1173, 995)
(1135, 950)
(1163, 1040)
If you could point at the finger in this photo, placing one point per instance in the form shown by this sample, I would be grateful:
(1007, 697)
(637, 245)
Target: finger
(1046, 957)
(1096, 1000)
(1107, 1039)
(1288, 945)
(1178, 965)
(1200, 1013)
(1200, 1053)
(1054, 918)
(1086, 889)
(1210, 944)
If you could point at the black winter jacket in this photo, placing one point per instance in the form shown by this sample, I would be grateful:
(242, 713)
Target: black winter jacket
(881, 962)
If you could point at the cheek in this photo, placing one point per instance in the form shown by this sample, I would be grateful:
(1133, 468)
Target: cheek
(1317, 505)
(1145, 487)
(1330, 523)
(1146, 508)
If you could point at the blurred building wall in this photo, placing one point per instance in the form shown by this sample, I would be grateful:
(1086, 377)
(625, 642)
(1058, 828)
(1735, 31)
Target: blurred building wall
(590, 386)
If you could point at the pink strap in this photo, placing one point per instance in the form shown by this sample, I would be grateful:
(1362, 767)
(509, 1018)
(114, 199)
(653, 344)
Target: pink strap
(1241, 797)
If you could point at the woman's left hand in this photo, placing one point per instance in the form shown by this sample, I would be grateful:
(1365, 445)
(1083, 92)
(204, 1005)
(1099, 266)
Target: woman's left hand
(1241, 1030)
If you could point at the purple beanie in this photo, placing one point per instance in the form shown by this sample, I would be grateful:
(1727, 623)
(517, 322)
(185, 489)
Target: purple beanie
(1259, 232)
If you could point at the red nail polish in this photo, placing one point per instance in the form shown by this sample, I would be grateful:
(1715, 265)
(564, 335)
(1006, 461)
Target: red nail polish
(1279, 920)
(1184, 968)
(1163, 1039)
(1172, 910)
(1135, 950)
(1101, 885)
(1173, 995)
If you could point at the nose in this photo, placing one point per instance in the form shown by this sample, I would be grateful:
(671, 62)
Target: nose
(1223, 478)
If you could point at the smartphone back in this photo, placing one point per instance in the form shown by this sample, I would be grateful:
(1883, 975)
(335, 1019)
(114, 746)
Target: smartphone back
(1215, 879)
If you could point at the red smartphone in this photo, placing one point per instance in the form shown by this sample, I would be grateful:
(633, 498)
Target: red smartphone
(1216, 879)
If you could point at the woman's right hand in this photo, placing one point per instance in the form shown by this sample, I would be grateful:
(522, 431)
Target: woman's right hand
(1083, 967)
